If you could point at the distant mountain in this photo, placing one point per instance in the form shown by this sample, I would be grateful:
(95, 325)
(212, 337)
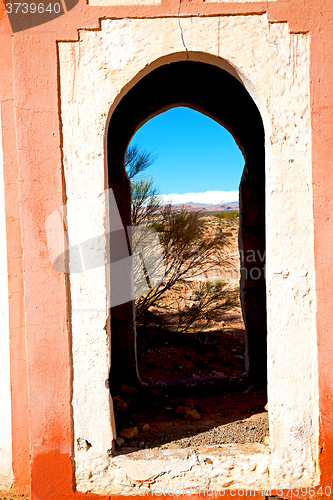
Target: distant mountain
(204, 199)
(201, 207)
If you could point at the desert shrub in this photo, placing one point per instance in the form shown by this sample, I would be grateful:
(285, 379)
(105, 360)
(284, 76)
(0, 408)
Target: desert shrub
(158, 226)
(212, 286)
(187, 254)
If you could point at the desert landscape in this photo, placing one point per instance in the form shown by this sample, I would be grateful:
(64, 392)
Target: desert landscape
(194, 383)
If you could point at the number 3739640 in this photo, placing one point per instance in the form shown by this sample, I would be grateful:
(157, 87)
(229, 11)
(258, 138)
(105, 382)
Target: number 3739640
(32, 8)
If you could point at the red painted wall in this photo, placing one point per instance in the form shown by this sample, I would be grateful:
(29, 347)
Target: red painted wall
(40, 336)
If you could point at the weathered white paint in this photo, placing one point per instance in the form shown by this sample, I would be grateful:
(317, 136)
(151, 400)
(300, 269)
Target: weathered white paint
(85, 210)
(6, 473)
(273, 65)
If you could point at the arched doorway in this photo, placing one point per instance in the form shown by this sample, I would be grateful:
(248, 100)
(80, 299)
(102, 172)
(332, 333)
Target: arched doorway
(249, 42)
(215, 92)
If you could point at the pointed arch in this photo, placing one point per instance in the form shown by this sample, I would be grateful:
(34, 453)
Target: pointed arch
(220, 94)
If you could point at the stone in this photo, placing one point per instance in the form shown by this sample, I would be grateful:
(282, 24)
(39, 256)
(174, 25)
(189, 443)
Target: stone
(144, 427)
(182, 409)
(129, 433)
(192, 415)
(119, 402)
(266, 441)
(126, 388)
(119, 441)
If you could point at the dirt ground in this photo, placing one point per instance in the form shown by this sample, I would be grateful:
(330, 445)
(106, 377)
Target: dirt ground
(217, 351)
(196, 388)
(224, 415)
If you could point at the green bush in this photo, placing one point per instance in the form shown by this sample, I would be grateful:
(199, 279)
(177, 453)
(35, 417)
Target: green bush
(227, 215)
(158, 226)
(213, 286)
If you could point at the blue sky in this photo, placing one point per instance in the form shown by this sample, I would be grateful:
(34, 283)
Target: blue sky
(195, 153)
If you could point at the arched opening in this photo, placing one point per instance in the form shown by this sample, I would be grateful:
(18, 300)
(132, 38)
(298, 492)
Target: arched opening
(192, 319)
(218, 94)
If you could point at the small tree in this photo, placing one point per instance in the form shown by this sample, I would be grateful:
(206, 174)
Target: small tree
(189, 254)
(186, 253)
(145, 200)
(136, 161)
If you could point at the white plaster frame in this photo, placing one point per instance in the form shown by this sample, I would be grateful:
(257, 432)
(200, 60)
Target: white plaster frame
(273, 65)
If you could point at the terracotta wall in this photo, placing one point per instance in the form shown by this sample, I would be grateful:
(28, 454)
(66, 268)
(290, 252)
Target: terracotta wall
(38, 307)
